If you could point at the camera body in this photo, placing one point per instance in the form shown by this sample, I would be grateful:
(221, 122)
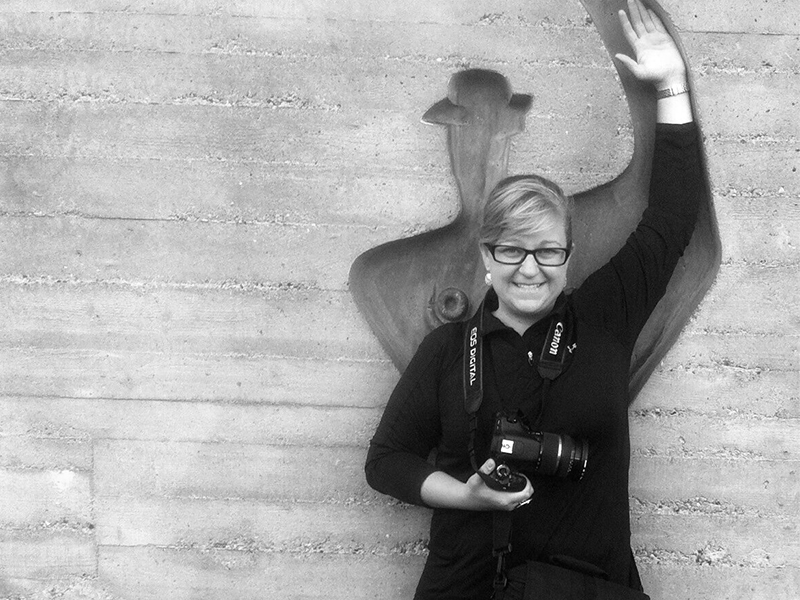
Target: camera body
(543, 453)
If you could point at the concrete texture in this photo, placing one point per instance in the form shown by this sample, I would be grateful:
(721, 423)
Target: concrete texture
(186, 387)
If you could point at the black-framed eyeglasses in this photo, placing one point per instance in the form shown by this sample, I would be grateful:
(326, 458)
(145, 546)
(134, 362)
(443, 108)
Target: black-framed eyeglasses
(514, 255)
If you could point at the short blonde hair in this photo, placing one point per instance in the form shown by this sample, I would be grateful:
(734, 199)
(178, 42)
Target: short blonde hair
(523, 204)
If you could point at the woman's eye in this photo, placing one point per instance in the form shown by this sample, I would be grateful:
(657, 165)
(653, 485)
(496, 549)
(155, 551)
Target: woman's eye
(510, 252)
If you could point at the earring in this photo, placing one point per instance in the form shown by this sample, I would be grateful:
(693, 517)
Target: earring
(488, 279)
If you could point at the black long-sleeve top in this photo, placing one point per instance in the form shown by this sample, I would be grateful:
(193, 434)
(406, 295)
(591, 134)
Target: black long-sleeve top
(589, 519)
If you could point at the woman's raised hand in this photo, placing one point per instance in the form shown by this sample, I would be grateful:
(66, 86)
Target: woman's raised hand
(658, 59)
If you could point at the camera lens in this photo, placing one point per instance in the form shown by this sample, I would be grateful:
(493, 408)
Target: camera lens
(562, 456)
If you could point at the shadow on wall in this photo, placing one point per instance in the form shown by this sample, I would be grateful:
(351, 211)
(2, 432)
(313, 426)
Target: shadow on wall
(408, 287)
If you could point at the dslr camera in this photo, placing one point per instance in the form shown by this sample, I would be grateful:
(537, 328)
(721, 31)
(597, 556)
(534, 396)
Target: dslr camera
(540, 452)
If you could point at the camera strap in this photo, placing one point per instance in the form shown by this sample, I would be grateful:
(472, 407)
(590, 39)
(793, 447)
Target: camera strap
(553, 360)
(556, 354)
(473, 376)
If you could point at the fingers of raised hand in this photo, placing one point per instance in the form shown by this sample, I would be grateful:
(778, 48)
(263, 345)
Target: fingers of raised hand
(637, 16)
(639, 20)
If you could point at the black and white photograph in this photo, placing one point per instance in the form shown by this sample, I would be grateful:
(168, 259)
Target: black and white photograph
(351, 300)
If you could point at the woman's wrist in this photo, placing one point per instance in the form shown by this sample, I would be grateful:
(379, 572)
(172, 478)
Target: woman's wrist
(673, 76)
(674, 103)
(672, 90)
(440, 490)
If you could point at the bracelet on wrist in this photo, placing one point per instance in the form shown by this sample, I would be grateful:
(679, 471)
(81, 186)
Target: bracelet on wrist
(675, 90)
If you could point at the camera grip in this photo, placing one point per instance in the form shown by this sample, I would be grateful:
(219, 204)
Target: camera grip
(504, 479)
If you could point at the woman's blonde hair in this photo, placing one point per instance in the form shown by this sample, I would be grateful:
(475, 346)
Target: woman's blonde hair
(523, 204)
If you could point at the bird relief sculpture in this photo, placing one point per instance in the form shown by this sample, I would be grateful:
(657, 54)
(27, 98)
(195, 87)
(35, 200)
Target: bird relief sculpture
(406, 288)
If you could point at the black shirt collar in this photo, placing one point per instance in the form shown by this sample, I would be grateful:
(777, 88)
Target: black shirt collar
(491, 323)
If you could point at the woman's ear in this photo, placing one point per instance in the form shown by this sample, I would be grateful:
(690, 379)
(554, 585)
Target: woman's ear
(486, 255)
(571, 251)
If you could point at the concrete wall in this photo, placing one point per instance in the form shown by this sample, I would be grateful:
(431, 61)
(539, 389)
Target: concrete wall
(186, 388)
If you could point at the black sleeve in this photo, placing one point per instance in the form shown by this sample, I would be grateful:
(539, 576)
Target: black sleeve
(622, 294)
(410, 427)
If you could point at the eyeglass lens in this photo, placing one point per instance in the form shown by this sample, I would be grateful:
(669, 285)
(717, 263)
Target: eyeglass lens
(514, 255)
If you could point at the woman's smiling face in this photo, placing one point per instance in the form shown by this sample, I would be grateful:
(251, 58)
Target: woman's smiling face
(528, 291)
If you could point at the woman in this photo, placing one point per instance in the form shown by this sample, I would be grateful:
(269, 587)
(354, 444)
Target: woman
(525, 244)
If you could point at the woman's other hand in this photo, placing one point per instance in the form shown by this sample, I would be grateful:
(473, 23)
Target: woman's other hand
(440, 490)
(494, 499)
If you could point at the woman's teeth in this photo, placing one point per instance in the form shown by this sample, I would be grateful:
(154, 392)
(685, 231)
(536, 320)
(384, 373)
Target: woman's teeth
(528, 285)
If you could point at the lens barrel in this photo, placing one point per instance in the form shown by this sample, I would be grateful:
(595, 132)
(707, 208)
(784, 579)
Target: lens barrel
(562, 456)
